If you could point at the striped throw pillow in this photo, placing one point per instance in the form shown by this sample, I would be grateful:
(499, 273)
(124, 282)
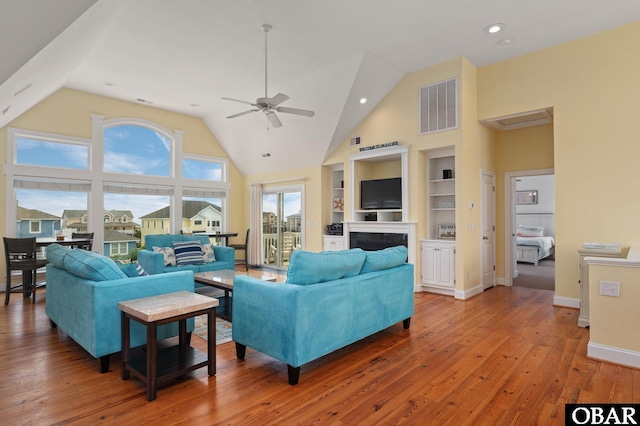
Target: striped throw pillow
(188, 253)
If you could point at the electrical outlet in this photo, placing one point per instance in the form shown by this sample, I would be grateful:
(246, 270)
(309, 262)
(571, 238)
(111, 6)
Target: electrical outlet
(610, 288)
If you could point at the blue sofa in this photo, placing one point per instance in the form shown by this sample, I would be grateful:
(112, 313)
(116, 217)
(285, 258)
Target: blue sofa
(83, 291)
(330, 300)
(154, 263)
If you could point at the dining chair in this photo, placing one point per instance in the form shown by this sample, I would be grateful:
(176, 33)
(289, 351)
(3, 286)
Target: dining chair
(245, 248)
(83, 235)
(20, 255)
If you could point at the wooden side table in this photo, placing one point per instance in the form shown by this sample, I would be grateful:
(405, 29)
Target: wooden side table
(159, 367)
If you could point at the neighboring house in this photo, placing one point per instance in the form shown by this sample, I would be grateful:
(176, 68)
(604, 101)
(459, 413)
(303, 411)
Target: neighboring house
(36, 223)
(113, 220)
(197, 216)
(294, 222)
(118, 244)
(269, 223)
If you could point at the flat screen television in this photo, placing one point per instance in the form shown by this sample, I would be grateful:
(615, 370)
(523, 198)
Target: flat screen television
(381, 194)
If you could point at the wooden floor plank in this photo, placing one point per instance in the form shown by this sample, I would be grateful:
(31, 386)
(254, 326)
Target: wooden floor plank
(507, 356)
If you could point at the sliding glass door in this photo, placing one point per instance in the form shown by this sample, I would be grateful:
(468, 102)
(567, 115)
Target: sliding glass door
(282, 224)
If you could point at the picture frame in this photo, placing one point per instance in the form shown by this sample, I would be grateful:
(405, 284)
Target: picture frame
(446, 231)
(527, 197)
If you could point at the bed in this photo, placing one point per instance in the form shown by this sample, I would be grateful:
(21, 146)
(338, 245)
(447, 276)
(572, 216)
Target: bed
(532, 245)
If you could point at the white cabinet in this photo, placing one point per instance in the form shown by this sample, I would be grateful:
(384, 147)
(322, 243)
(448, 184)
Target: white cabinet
(438, 266)
(333, 242)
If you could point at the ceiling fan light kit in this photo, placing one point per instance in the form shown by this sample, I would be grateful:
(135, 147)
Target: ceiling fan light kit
(269, 106)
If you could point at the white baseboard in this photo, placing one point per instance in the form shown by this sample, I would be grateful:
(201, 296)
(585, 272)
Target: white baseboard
(467, 294)
(614, 355)
(567, 302)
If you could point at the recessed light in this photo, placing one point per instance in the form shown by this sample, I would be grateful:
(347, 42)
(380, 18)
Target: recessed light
(505, 41)
(195, 105)
(363, 100)
(494, 28)
(108, 83)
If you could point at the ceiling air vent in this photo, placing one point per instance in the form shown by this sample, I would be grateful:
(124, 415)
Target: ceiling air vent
(519, 121)
(439, 106)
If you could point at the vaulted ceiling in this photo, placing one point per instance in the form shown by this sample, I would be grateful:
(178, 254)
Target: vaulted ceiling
(184, 56)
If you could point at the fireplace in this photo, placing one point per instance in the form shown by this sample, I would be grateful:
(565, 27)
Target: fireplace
(376, 240)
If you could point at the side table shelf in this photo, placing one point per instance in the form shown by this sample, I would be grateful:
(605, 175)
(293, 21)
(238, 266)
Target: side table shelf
(158, 367)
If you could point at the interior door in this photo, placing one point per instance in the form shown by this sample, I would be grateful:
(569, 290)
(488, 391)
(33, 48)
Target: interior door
(488, 230)
(282, 219)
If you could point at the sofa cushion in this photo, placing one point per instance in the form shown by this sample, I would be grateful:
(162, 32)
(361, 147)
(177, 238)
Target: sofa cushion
(384, 259)
(188, 253)
(309, 268)
(56, 254)
(168, 253)
(132, 269)
(209, 255)
(92, 266)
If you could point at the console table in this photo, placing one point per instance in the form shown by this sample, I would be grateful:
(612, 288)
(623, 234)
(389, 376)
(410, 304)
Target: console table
(161, 366)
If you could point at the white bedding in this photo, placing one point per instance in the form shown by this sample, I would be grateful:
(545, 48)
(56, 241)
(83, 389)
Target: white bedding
(544, 244)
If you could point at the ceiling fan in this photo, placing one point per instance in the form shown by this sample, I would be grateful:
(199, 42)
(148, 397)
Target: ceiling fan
(269, 106)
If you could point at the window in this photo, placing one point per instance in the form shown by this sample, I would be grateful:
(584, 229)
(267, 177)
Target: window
(34, 227)
(129, 180)
(136, 150)
(51, 154)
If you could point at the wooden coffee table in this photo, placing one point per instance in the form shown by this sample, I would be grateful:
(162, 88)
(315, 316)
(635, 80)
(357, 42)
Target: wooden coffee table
(223, 279)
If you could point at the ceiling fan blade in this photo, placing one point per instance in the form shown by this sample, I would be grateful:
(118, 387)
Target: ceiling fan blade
(296, 111)
(243, 113)
(273, 119)
(238, 100)
(278, 99)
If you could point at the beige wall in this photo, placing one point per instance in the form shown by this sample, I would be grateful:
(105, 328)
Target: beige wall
(593, 87)
(68, 112)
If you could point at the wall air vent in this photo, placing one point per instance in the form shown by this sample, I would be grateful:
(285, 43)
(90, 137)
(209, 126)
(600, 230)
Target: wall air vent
(521, 120)
(439, 106)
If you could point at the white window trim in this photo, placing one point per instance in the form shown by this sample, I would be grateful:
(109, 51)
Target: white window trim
(39, 226)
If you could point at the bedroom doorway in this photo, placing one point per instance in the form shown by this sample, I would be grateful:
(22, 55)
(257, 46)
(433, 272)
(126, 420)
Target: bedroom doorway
(530, 229)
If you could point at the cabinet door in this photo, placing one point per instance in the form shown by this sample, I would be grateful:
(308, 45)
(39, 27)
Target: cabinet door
(333, 243)
(428, 264)
(446, 266)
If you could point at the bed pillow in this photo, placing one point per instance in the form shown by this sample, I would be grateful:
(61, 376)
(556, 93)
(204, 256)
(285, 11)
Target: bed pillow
(529, 231)
(188, 253)
(168, 253)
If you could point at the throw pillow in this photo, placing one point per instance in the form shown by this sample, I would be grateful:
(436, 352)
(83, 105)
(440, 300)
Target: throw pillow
(188, 253)
(168, 253)
(131, 269)
(384, 259)
(209, 255)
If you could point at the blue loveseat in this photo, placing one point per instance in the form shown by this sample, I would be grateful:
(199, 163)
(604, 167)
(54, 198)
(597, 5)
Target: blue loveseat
(83, 291)
(330, 300)
(154, 262)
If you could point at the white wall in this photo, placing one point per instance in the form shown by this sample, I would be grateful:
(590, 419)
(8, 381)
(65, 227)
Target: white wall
(544, 184)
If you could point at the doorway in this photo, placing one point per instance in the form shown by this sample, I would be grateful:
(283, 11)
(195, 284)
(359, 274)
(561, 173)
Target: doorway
(530, 229)
(282, 224)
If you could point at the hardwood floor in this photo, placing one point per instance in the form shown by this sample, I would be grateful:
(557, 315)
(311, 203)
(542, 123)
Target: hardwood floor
(504, 357)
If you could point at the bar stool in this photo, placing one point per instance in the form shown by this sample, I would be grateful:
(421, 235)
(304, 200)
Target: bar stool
(245, 248)
(20, 255)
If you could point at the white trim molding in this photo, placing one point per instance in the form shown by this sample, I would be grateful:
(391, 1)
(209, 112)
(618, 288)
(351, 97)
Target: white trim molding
(614, 355)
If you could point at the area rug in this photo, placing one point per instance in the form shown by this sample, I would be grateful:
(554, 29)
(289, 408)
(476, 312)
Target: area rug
(223, 329)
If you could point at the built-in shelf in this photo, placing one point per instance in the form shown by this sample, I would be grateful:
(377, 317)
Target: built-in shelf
(441, 188)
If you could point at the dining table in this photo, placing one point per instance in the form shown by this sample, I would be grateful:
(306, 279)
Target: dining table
(219, 236)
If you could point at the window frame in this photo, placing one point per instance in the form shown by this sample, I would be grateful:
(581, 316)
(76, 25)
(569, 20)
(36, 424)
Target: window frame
(95, 177)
